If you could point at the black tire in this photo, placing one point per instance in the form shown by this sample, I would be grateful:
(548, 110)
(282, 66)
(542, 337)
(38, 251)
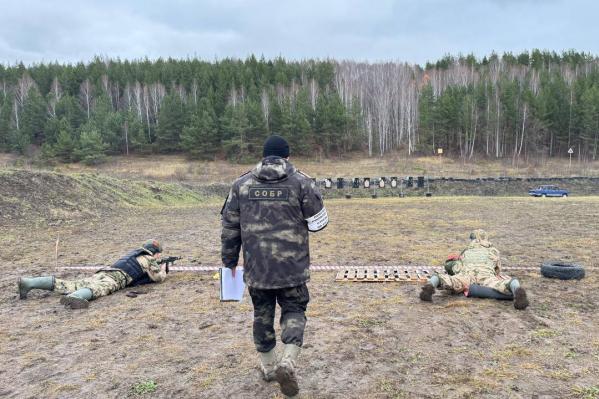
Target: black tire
(562, 270)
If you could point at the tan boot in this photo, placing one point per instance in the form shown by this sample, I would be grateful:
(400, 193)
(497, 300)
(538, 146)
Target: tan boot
(285, 373)
(268, 365)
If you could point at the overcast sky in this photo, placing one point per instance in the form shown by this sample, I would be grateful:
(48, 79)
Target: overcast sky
(414, 31)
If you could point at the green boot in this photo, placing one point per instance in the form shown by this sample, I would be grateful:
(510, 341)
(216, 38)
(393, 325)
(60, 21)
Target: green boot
(78, 299)
(285, 373)
(268, 365)
(26, 284)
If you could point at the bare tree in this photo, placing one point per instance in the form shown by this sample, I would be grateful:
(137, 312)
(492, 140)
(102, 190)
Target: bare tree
(55, 96)
(157, 94)
(265, 102)
(137, 99)
(313, 93)
(106, 87)
(86, 96)
(24, 85)
(194, 91)
(147, 109)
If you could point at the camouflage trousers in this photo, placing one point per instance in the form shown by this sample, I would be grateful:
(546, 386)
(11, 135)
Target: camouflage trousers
(461, 281)
(293, 302)
(101, 284)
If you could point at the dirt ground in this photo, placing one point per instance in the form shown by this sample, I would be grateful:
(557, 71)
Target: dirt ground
(363, 340)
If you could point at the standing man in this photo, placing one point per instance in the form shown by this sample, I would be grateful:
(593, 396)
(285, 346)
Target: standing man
(140, 266)
(269, 211)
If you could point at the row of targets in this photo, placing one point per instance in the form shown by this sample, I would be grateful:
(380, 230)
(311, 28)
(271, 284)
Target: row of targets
(367, 182)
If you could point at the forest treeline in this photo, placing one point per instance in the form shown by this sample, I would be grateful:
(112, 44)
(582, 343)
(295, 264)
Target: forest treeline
(534, 104)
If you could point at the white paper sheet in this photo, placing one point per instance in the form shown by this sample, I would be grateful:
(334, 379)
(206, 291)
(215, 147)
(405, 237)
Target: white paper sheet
(231, 289)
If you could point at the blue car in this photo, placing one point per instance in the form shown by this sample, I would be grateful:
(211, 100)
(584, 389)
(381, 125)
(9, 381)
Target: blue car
(548, 191)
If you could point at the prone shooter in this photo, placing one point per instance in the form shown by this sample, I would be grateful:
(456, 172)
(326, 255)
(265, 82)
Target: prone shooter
(477, 272)
(139, 266)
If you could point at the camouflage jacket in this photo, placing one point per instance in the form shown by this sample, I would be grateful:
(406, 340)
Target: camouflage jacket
(269, 212)
(481, 259)
(150, 265)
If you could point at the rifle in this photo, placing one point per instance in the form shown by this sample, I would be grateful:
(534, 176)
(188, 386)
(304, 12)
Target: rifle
(169, 260)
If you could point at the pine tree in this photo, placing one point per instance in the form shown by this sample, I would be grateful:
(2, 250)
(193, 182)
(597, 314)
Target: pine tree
(5, 125)
(426, 122)
(234, 125)
(134, 137)
(355, 123)
(256, 131)
(331, 122)
(276, 116)
(91, 149)
(33, 117)
(171, 121)
(200, 138)
(65, 147)
(109, 125)
(68, 107)
(53, 127)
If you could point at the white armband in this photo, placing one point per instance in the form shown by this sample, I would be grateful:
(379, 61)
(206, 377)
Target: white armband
(318, 221)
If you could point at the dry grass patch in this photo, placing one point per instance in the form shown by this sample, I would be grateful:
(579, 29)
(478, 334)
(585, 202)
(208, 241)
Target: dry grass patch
(512, 351)
(473, 384)
(178, 167)
(560, 374)
(367, 323)
(29, 359)
(501, 371)
(391, 300)
(591, 392)
(531, 366)
(54, 389)
(390, 388)
(96, 323)
(457, 304)
(544, 333)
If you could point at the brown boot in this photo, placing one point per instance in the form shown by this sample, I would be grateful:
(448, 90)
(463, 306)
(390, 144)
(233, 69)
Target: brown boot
(520, 299)
(427, 293)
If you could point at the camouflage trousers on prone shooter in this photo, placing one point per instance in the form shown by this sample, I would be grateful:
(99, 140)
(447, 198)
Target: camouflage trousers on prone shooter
(461, 281)
(293, 302)
(101, 283)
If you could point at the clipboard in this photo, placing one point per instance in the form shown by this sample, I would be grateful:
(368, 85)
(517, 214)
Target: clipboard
(231, 289)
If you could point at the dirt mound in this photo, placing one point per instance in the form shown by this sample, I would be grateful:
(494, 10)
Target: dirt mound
(48, 197)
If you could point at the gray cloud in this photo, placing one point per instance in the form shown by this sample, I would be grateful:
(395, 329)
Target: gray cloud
(412, 31)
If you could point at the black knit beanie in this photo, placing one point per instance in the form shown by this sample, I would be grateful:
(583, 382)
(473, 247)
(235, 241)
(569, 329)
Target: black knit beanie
(275, 145)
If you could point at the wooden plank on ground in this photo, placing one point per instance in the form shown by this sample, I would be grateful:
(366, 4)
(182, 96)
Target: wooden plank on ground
(382, 274)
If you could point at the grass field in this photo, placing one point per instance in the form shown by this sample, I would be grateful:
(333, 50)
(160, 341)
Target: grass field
(179, 168)
(362, 340)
